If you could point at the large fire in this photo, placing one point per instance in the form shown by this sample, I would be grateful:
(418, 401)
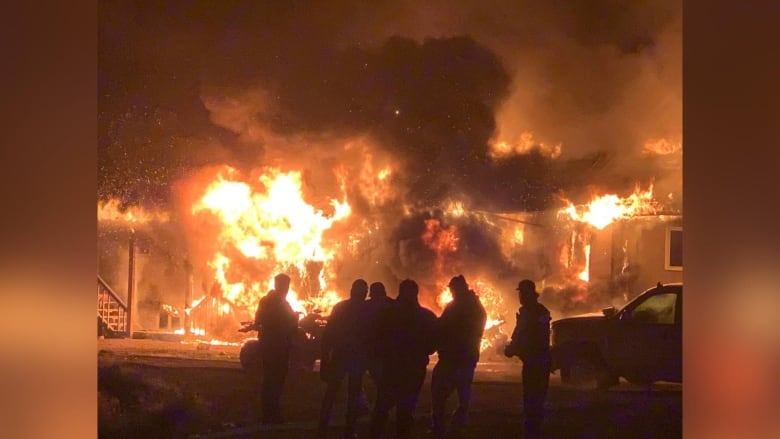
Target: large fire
(271, 223)
(255, 225)
(599, 213)
(603, 210)
(443, 240)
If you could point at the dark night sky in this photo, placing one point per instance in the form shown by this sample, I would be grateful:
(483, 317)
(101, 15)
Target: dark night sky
(187, 84)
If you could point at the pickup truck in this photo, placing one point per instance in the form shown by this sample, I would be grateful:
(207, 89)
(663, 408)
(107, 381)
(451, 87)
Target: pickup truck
(641, 342)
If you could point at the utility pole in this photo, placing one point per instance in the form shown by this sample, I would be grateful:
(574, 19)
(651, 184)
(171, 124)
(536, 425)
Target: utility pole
(130, 284)
(187, 297)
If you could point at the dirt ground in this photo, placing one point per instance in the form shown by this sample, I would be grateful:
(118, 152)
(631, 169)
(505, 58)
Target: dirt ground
(151, 389)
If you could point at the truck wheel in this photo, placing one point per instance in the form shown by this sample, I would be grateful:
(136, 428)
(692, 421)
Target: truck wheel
(581, 371)
(584, 372)
(250, 356)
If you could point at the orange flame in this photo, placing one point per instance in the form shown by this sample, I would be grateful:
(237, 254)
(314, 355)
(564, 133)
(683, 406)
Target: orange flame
(662, 147)
(524, 144)
(455, 208)
(273, 225)
(604, 210)
(442, 240)
(585, 273)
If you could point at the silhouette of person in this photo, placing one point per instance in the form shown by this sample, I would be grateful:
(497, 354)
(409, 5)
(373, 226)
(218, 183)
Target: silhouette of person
(531, 343)
(343, 354)
(277, 324)
(376, 305)
(459, 334)
(405, 337)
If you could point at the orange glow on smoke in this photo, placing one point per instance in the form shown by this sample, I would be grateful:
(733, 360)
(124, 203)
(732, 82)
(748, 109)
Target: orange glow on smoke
(524, 144)
(375, 179)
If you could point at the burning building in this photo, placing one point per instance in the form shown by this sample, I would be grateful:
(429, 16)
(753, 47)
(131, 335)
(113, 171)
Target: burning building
(241, 232)
(269, 141)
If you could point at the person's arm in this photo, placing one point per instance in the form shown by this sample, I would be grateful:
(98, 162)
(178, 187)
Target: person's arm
(516, 343)
(327, 333)
(326, 346)
(258, 316)
(482, 320)
(293, 322)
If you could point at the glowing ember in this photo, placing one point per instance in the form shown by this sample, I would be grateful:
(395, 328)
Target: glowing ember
(111, 211)
(605, 209)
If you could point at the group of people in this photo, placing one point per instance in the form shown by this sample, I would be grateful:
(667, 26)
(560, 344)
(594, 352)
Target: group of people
(391, 341)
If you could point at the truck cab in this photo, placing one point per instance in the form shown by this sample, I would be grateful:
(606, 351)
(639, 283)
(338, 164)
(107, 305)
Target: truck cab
(641, 342)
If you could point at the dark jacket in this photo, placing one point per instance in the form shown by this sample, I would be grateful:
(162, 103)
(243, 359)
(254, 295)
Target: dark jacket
(276, 321)
(374, 308)
(531, 337)
(460, 330)
(344, 334)
(405, 336)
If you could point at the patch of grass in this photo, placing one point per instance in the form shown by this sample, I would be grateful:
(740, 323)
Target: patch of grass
(132, 405)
